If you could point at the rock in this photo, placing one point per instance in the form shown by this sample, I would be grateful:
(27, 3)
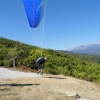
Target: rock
(84, 99)
(73, 95)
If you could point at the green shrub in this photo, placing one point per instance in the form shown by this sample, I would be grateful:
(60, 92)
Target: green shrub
(7, 63)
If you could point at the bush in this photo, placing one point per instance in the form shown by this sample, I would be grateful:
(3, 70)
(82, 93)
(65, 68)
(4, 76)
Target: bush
(8, 63)
(1, 63)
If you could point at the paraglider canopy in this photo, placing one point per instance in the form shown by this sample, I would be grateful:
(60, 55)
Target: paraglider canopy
(34, 11)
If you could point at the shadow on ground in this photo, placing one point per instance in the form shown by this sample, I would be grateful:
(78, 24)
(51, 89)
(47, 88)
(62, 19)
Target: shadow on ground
(56, 77)
(18, 84)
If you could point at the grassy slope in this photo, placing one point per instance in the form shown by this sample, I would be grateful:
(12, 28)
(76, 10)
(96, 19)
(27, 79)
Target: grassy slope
(79, 66)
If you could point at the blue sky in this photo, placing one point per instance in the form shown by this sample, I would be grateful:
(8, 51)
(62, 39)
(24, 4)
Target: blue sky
(68, 23)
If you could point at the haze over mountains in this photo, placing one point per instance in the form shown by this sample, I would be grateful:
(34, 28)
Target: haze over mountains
(87, 49)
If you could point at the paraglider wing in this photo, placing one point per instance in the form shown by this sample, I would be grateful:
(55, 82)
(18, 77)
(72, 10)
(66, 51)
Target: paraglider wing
(34, 11)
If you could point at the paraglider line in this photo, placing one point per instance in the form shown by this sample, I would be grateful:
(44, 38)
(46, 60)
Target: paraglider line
(43, 28)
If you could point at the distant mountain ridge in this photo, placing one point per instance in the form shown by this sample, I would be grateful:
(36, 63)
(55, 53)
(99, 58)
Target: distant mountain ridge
(87, 49)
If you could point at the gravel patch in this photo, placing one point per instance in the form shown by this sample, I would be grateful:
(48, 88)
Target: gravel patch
(7, 73)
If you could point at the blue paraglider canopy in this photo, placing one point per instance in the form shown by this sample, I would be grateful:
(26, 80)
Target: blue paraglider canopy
(34, 11)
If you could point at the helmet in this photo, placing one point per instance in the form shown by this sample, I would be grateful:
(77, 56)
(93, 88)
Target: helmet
(45, 58)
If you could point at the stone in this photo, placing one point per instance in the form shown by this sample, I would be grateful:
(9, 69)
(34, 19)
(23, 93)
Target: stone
(84, 99)
(73, 95)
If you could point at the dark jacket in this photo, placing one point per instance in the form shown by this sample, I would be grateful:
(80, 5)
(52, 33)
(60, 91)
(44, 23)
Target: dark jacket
(40, 60)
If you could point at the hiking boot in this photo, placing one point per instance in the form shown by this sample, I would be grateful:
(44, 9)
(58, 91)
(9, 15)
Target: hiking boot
(37, 73)
(42, 74)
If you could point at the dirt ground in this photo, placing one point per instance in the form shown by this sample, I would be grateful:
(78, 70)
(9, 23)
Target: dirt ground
(47, 87)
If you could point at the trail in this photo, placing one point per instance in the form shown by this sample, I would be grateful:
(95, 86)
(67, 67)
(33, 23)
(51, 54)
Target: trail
(7, 73)
(30, 86)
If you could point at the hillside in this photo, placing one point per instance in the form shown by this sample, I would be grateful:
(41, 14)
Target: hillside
(85, 57)
(58, 62)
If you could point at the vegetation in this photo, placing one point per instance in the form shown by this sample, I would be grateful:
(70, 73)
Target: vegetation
(85, 57)
(58, 62)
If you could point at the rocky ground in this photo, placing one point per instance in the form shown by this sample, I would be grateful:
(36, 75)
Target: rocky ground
(47, 87)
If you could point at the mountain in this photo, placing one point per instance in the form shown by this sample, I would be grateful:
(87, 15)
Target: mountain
(93, 49)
